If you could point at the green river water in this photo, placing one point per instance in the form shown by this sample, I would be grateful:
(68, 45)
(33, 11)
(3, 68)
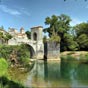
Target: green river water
(55, 74)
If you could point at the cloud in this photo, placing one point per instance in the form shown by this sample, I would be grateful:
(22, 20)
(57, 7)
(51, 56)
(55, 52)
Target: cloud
(5, 9)
(24, 11)
(74, 22)
(16, 11)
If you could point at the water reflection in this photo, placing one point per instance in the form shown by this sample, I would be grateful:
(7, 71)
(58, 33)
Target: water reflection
(58, 74)
(45, 70)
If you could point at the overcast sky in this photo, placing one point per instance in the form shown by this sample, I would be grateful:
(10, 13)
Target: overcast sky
(29, 13)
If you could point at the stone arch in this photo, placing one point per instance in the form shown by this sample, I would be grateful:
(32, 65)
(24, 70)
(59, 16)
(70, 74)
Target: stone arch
(35, 36)
(32, 52)
(31, 49)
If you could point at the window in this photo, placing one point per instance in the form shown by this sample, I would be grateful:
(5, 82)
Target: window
(35, 36)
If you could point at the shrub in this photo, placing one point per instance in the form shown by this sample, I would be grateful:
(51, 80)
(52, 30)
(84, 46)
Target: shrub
(24, 61)
(3, 66)
(22, 53)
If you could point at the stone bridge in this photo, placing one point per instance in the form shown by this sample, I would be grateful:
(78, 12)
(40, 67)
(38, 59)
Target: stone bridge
(35, 43)
(37, 48)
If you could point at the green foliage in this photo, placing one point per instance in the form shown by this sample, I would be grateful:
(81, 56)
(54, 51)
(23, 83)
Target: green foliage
(81, 31)
(24, 61)
(28, 34)
(71, 39)
(4, 36)
(83, 41)
(55, 38)
(1, 35)
(6, 83)
(5, 79)
(3, 66)
(53, 22)
(81, 28)
(7, 36)
(5, 51)
(22, 52)
(58, 30)
(70, 43)
(44, 39)
(57, 24)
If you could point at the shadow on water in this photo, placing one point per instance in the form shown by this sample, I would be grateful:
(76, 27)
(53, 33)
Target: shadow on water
(45, 70)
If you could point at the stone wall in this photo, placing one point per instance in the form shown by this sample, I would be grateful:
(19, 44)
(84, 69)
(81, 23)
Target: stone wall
(51, 50)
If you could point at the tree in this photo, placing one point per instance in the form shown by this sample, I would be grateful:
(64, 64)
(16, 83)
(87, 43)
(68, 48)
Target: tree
(83, 42)
(1, 37)
(7, 36)
(58, 26)
(81, 31)
(28, 34)
(81, 28)
(70, 43)
(44, 39)
(53, 22)
(4, 36)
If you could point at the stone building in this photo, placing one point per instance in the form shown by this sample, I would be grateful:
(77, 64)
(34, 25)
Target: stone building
(16, 34)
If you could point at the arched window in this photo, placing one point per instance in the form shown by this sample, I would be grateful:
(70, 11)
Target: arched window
(35, 36)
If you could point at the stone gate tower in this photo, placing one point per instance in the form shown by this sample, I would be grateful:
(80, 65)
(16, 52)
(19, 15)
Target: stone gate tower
(37, 36)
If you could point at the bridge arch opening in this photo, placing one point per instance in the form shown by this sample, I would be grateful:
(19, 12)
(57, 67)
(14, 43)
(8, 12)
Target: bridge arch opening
(35, 36)
(31, 50)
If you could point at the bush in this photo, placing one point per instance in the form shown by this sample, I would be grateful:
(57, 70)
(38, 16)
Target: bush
(22, 52)
(24, 61)
(3, 66)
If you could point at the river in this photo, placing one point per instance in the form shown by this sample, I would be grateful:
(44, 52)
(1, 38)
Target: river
(54, 74)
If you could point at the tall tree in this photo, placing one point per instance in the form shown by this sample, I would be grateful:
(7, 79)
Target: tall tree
(52, 22)
(59, 26)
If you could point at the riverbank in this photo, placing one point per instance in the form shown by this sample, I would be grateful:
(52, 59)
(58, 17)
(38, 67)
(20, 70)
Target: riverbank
(74, 53)
(81, 56)
(13, 77)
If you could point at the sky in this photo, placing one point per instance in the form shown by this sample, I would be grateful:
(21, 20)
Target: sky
(30, 13)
